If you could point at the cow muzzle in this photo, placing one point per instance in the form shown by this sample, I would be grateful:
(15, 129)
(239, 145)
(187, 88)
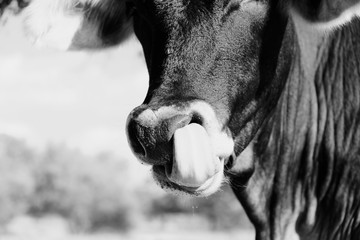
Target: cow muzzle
(187, 145)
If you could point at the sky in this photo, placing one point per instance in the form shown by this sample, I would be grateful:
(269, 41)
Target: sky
(80, 99)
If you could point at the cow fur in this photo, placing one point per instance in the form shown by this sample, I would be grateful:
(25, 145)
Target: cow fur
(293, 110)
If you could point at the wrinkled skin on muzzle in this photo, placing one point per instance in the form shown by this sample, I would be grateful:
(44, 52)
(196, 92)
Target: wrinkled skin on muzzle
(216, 71)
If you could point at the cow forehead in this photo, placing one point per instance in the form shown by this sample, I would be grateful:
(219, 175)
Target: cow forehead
(186, 4)
(180, 8)
(194, 11)
(180, 4)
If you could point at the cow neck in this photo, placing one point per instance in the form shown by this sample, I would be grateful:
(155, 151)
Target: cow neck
(335, 177)
(301, 166)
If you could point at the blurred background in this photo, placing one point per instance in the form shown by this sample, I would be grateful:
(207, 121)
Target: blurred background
(66, 171)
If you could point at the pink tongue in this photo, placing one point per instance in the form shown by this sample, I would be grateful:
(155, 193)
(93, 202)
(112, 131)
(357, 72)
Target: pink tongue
(194, 160)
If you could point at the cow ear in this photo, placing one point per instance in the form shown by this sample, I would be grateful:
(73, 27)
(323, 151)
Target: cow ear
(111, 20)
(324, 14)
(78, 24)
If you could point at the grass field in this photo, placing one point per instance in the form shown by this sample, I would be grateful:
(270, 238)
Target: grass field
(56, 228)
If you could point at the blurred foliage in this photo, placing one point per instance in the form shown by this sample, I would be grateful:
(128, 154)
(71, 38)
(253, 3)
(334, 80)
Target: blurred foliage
(89, 192)
(17, 184)
(95, 192)
(221, 209)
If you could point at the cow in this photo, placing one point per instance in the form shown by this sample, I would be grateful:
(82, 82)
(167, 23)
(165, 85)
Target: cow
(261, 94)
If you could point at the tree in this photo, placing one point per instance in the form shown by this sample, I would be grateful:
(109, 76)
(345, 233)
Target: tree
(17, 184)
(91, 192)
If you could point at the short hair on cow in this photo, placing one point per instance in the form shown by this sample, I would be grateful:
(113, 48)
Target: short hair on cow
(259, 94)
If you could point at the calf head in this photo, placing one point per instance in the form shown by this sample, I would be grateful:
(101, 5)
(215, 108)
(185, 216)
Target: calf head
(216, 70)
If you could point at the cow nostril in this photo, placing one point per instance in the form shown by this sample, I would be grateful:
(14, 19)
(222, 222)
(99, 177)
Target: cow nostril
(134, 141)
(196, 118)
(151, 136)
(138, 147)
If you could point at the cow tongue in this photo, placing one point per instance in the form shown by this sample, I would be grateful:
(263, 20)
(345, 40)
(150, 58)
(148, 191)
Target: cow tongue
(194, 161)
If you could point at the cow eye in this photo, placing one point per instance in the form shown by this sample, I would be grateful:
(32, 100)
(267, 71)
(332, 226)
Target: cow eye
(231, 5)
(234, 6)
